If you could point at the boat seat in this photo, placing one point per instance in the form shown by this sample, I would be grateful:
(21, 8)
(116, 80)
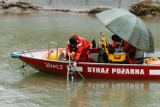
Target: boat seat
(94, 54)
(139, 56)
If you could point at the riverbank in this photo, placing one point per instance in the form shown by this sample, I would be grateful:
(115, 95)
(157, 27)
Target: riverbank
(142, 8)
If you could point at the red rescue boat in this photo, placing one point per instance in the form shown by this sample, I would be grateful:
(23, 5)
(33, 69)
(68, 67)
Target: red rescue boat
(147, 66)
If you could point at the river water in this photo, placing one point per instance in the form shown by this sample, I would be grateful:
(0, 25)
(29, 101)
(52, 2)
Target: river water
(30, 88)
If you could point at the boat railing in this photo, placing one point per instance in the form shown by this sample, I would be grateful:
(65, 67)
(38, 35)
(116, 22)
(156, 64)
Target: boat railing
(49, 47)
(28, 51)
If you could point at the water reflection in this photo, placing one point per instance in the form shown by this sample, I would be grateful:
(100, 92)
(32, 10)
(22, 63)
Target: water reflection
(121, 84)
(42, 78)
(90, 92)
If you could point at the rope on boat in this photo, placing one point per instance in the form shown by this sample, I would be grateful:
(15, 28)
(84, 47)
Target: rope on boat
(22, 67)
(71, 73)
(80, 74)
(69, 68)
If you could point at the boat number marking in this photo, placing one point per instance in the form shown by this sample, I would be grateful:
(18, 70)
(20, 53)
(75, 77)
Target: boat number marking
(57, 66)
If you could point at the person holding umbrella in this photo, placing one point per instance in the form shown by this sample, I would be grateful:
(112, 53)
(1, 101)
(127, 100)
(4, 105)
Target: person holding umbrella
(129, 27)
(116, 43)
(80, 47)
(120, 45)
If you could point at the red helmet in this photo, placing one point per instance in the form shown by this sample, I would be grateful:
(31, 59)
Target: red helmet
(75, 35)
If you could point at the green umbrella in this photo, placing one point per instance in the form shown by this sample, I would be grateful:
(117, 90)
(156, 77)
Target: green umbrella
(129, 27)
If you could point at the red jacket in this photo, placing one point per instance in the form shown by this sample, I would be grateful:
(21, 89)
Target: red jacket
(115, 44)
(128, 48)
(131, 51)
(81, 49)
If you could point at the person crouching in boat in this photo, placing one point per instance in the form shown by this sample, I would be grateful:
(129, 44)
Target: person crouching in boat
(80, 47)
(130, 51)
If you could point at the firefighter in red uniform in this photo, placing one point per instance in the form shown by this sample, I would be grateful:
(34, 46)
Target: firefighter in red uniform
(115, 45)
(80, 46)
(115, 41)
(130, 51)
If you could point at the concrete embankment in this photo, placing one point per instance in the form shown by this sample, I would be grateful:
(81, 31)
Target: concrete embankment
(142, 8)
